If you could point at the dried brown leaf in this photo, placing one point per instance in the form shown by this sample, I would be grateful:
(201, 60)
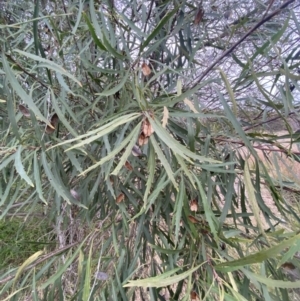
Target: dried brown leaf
(120, 198)
(194, 296)
(194, 205)
(147, 128)
(54, 121)
(199, 16)
(142, 139)
(288, 266)
(193, 219)
(145, 69)
(128, 165)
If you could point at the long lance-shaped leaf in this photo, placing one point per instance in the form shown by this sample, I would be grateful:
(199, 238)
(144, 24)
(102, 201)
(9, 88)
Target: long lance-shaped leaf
(20, 91)
(113, 153)
(164, 279)
(257, 257)
(158, 27)
(163, 161)
(20, 168)
(127, 151)
(49, 64)
(115, 89)
(99, 132)
(93, 33)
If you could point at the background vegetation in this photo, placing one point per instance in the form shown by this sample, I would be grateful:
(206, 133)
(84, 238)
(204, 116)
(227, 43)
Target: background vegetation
(149, 150)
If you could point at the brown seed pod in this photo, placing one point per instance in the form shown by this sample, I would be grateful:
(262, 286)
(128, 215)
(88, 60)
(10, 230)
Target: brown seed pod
(120, 198)
(145, 69)
(199, 16)
(24, 111)
(128, 165)
(54, 121)
(194, 296)
(194, 205)
(142, 139)
(147, 128)
(193, 219)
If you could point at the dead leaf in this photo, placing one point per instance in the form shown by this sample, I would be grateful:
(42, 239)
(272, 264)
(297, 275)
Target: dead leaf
(193, 219)
(142, 139)
(54, 121)
(147, 128)
(24, 111)
(145, 69)
(199, 16)
(288, 266)
(194, 205)
(194, 296)
(204, 231)
(120, 198)
(128, 165)
(165, 117)
(111, 179)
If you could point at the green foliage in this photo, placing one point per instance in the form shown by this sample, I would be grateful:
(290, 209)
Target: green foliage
(18, 240)
(203, 209)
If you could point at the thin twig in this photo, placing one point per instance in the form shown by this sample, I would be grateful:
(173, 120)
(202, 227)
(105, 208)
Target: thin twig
(26, 72)
(225, 53)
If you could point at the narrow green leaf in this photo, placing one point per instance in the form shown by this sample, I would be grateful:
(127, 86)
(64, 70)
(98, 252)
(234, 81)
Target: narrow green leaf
(87, 278)
(113, 153)
(19, 90)
(163, 280)
(118, 87)
(37, 178)
(272, 283)
(164, 161)
(48, 64)
(63, 268)
(229, 90)
(259, 256)
(252, 199)
(93, 33)
(156, 30)
(20, 168)
(178, 209)
(128, 150)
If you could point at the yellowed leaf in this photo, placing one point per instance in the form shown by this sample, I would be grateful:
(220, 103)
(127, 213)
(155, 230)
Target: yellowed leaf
(190, 105)
(165, 117)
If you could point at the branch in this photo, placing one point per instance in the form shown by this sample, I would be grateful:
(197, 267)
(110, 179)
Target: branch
(26, 72)
(224, 54)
